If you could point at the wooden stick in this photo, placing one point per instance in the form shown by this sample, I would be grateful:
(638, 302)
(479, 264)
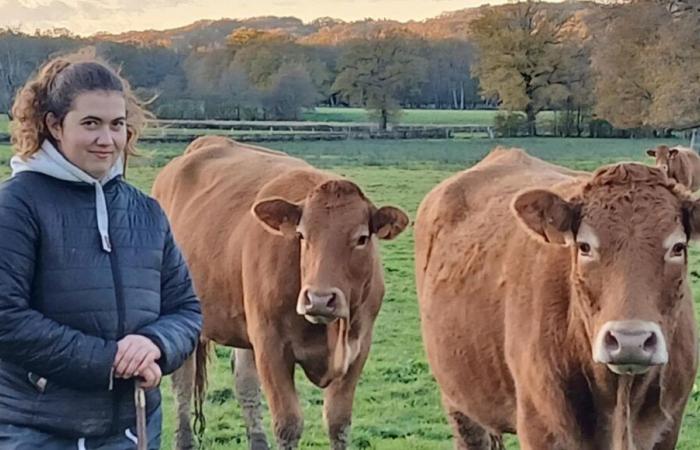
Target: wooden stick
(140, 400)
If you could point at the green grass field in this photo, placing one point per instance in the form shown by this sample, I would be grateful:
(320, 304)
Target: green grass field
(397, 406)
(416, 116)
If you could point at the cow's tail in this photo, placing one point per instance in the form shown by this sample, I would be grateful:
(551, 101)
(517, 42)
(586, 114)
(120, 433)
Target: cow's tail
(200, 387)
(496, 442)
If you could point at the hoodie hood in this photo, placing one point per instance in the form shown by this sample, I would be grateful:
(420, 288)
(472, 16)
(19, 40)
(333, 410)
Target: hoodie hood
(49, 161)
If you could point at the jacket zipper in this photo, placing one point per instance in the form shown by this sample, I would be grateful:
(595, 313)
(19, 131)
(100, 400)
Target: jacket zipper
(116, 277)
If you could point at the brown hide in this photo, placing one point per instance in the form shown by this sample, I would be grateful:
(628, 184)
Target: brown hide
(249, 272)
(522, 267)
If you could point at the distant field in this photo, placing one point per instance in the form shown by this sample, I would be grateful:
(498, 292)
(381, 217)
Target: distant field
(397, 406)
(413, 116)
(439, 154)
(352, 115)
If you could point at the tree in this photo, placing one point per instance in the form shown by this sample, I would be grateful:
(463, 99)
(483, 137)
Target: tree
(291, 89)
(261, 55)
(647, 61)
(624, 91)
(143, 66)
(375, 71)
(525, 56)
(448, 80)
(21, 55)
(237, 91)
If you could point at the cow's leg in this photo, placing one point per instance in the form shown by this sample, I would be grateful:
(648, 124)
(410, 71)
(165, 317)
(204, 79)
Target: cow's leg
(669, 440)
(247, 387)
(469, 435)
(337, 402)
(276, 371)
(534, 434)
(183, 388)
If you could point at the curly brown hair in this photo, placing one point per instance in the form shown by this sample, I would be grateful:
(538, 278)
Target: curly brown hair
(54, 89)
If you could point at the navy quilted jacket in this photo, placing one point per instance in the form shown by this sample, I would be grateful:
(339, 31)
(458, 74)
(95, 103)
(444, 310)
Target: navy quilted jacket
(65, 301)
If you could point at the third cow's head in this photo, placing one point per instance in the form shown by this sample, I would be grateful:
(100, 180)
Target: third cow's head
(664, 157)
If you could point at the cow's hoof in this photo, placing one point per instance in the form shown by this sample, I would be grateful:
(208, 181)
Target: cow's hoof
(258, 441)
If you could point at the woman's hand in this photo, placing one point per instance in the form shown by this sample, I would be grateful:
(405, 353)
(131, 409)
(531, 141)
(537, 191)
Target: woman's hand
(135, 354)
(150, 376)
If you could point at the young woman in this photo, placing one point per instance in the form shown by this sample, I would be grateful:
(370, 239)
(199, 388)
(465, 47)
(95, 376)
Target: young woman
(94, 293)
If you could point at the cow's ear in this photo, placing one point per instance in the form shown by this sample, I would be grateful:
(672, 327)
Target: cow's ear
(651, 152)
(388, 222)
(672, 153)
(278, 216)
(546, 216)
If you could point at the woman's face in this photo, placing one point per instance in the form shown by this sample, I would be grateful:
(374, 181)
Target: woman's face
(93, 133)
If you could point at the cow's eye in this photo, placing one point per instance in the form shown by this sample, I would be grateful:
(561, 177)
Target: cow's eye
(678, 249)
(362, 240)
(584, 248)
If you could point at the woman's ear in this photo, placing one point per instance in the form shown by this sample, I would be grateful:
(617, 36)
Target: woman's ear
(54, 126)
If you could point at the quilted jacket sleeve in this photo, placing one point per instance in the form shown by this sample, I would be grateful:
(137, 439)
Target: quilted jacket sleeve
(177, 330)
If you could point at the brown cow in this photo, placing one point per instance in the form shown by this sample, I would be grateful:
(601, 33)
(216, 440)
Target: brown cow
(285, 260)
(555, 304)
(680, 163)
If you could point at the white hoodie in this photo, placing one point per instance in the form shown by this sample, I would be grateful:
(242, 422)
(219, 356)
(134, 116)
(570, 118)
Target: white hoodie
(51, 162)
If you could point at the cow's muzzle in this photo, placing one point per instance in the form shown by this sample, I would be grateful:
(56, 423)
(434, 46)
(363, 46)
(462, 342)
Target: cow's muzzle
(322, 306)
(630, 347)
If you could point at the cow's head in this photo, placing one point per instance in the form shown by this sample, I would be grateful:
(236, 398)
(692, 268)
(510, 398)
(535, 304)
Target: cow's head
(664, 157)
(628, 232)
(337, 228)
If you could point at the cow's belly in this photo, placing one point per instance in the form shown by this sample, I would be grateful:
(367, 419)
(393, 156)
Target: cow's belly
(463, 338)
(231, 332)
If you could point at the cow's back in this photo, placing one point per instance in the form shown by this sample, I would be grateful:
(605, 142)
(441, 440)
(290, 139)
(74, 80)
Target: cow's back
(467, 242)
(208, 193)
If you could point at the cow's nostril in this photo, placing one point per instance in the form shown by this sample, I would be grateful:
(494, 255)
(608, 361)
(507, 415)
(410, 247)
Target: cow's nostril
(651, 343)
(307, 300)
(332, 301)
(611, 342)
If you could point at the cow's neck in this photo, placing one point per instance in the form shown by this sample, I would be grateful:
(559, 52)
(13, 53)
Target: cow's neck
(622, 437)
(617, 400)
(337, 347)
(343, 338)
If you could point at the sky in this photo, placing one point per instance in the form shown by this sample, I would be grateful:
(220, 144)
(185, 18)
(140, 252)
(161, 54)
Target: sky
(85, 17)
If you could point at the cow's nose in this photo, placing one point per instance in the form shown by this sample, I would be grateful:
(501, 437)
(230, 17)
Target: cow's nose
(320, 302)
(635, 345)
(322, 305)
